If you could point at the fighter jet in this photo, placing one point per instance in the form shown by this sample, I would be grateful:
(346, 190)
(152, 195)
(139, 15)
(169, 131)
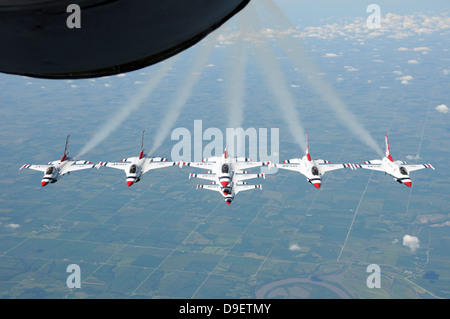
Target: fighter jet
(55, 169)
(227, 174)
(312, 169)
(399, 170)
(135, 167)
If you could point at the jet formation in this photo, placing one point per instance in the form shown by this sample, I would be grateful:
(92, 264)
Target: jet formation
(227, 175)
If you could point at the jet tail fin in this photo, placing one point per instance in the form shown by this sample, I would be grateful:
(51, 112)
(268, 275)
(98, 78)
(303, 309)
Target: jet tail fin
(141, 154)
(66, 149)
(388, 151)
(307, 147)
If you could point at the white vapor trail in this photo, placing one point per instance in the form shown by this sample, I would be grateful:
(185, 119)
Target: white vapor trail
(277, 83)
(183, 94)
(123, 113)
(235, 84)
(299, 56)
(236, 79)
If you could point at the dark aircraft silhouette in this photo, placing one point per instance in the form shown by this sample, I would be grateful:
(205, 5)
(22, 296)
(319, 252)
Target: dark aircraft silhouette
(111, 36)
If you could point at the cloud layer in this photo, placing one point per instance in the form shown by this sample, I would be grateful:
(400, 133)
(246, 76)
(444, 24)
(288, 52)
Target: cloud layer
(392, 26)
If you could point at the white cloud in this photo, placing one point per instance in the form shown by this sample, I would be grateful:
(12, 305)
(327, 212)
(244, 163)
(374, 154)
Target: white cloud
(398, 72)
(13, 226)
(294, 247)
(419, 49)
(411, 242)
(445, 72)
(392, 25)
(121, 75)
(404, 79)
(413, 62)
(442, 108)
(330, 55)
(350, 68)
(355, 29)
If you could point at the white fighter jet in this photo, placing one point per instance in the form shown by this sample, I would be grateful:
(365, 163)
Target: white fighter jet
(227, 174)
(312, 169)
(399, 170)
(55, 169)
(135, 167)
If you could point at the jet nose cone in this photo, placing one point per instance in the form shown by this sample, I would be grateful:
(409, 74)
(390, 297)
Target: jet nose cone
(129, 183)
(317, 185)
(228, 201)
(224, 183)
(408, 184)
(43, 183)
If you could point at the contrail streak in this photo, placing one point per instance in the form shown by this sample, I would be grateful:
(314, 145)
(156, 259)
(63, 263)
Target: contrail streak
(277, 83)
(113, 123)
(183, 94)
(299, 56)
(235, 84)
(236, 78)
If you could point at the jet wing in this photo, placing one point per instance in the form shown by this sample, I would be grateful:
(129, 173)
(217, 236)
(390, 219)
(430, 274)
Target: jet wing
(54, 162)
(376, 162)
(411, 167)
(240, 188)
(210, 177)
(41, 168)
(130, 159)
(204, 165)
(122, 166)
(75, 167)
(331, 167)
(210, 187)
(296, 167)
(153, 163)
(247, 165)
(244, 176)
(374, 167)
